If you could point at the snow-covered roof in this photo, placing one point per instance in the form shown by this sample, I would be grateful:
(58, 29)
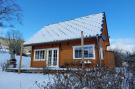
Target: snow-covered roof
(91, 25)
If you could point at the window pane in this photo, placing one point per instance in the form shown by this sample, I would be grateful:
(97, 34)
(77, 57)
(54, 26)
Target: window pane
(90, 55)
(88, 52)
(55, 57)
(36, 55)
(49, 57)
(40, 54)
(43, 54)
(78, 52)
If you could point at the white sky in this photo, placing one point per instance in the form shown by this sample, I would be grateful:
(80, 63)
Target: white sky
(126, 44)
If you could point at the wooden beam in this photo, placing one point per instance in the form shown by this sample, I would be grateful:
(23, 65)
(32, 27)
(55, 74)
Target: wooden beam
(99, 44)
(82, 46)
(98, 48)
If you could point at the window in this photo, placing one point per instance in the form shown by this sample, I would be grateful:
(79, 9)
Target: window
(55, 57)
(39, 54)
(89, 52)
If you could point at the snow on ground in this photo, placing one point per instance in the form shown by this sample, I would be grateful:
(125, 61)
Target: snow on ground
(10, 80)
(6, 56)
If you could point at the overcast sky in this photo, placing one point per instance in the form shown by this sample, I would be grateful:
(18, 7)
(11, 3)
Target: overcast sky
(120, 16)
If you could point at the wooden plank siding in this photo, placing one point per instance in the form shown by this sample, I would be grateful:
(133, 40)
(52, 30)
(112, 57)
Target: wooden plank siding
(109, 59)
(65, 51)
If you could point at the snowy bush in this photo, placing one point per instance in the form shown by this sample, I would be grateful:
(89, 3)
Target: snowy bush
(93, 78)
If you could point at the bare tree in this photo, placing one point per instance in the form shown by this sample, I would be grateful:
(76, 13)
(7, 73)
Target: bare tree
(131, 61)
(120, 56)
(14, 40)
(10, 13)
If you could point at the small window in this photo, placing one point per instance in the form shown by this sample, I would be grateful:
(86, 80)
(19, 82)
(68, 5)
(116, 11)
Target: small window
(39, 54)
(89, 52)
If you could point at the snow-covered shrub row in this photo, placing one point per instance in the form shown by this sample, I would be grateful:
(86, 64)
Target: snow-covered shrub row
(94, 78)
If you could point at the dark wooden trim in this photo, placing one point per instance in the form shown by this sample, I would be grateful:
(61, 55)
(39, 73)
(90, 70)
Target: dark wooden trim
(56, 41)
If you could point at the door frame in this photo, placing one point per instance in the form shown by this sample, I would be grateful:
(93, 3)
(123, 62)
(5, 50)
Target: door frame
(52, 55)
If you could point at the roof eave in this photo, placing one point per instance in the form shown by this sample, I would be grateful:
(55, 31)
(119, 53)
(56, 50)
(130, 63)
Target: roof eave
(58, 41)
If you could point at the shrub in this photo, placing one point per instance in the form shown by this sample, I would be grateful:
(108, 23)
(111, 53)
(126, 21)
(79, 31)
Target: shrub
(88, 78)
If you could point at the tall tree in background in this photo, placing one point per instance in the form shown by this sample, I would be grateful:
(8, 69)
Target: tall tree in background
(14, 41)
(10, 13)
(119, 57)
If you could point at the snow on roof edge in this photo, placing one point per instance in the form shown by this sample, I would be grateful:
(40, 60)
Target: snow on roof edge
(55, 41)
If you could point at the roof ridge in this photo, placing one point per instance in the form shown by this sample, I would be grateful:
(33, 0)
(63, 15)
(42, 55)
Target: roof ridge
(72, 19)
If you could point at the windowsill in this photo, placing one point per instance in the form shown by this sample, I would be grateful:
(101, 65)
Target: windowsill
(85, 58)
(39, 60)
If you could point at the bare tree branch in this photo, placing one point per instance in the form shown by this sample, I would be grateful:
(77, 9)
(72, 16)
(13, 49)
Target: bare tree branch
(10, 12)
(14, 41)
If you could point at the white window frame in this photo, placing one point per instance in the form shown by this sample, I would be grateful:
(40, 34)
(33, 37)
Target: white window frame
(44, 54)
(52, 56)
(91, 45)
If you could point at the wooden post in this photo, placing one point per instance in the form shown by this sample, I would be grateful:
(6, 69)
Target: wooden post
(20, 62)
(98, 48)
(100, 53)
(99, 43)
(82, 46)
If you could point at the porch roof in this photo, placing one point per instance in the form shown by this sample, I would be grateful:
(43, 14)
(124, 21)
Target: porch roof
(91, 25)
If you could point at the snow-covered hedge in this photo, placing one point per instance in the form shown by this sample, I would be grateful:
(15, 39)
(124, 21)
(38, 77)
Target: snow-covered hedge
(93, 78)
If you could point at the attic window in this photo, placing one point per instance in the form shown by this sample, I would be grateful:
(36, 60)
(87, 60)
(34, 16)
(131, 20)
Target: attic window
(89, 52)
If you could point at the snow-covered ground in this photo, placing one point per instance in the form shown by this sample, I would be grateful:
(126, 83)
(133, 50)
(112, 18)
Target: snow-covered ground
(10, 80)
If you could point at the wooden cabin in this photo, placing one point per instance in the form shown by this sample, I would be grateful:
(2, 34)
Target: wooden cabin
(59, 44)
